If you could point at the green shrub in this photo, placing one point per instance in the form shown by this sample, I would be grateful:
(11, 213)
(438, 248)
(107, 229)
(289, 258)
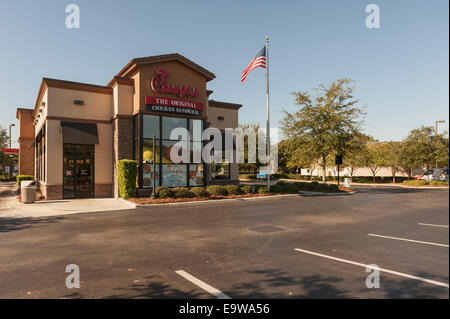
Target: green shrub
(232, 189)
(333, 188)
(276, 188)
(314, 185)
(164, 192)
(20, 178)
(290, 188)
(127, 178)
(415, 182)
(216, 190)
(199, 192)
(246, 189)
(263, 190)
(302, 185)
(435, 182)
(321, 187)
(182, 192)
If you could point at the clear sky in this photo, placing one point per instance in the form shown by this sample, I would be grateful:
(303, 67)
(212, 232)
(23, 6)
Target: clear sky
(401, 70)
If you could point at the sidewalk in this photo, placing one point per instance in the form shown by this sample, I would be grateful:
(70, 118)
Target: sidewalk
(11, 207)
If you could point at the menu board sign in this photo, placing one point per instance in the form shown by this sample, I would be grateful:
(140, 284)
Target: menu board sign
(174, 175)
(196, 175)
(147, 175)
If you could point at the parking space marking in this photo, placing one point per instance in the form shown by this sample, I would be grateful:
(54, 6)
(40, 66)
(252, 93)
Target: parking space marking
(433, 282)
(433, 225)
(211, 290)
(410, 240)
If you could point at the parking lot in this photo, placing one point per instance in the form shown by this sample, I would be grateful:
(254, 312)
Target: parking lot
(291, 247)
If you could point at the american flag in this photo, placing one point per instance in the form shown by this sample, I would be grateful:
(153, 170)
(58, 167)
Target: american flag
(258, 61)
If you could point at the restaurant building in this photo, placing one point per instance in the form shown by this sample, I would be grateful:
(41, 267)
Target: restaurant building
(74, 137)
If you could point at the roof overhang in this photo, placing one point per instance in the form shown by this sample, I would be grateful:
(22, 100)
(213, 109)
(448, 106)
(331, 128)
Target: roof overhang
(131, 67)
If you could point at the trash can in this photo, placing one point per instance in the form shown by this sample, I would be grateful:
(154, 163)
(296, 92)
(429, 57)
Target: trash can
(28, 191)
(347, 182)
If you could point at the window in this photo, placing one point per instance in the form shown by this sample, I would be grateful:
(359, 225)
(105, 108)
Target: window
(220, 170)
(147, 150)
(171, 123)
(150, 126)
(171, 169)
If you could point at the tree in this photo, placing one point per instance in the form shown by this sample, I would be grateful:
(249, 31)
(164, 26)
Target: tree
(392, 156)
(423, 148)
(4, 143)
(325, 122)
(355, 152)
(374, 158)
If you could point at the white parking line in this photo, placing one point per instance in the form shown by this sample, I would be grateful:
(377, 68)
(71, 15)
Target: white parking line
(433, 282)
(211, 290)
(433, 225)
(410, 240)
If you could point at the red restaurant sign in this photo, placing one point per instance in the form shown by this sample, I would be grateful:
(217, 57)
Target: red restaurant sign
(10, 150)
(159, 85)
(163, 101)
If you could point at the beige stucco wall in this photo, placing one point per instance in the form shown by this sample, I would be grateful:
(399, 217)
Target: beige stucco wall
(97, 106)
(230, 120)
(43, 114)
(54, 162)
(104, 154)
(123, 99)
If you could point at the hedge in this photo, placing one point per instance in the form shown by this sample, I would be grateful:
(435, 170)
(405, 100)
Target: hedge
(199, 192)
(421, 182)
(216, 190)
(182, 192)
(20, 178)
(164, 192)
(232, 189)
(276, 188)
(246, 189)
(127, 178)
(263, 190)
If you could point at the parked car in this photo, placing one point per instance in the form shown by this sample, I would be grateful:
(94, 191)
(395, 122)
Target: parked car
(434, 174)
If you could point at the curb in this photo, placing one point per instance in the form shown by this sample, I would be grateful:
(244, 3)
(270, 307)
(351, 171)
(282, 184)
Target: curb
(424, 187)
(209, 201)
(307, 193)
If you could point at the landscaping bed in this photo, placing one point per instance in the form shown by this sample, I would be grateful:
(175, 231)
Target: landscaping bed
(215, 192)
(420, 182)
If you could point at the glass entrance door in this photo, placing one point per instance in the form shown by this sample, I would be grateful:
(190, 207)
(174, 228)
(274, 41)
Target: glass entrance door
(78, 175)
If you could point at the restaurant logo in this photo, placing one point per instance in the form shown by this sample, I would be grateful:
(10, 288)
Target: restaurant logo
(159, 85)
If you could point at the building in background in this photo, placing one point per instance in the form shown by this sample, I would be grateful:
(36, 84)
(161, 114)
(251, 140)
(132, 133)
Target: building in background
(74, 137)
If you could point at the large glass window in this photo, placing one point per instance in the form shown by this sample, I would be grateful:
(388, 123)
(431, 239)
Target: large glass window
(171, 123)
(150, 126)
(147, 150)
(220, 170)
(196, 129)
(171, 168)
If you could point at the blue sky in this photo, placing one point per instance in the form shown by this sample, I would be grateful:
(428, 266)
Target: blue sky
(401, 70)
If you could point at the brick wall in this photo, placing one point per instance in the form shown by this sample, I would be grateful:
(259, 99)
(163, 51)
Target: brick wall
(123, 144)
(26, 156)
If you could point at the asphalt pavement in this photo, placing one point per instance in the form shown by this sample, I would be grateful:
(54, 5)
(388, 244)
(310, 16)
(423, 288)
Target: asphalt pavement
(292, 247)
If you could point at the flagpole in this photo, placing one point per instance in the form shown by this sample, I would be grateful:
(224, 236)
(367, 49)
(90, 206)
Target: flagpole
(268, 114)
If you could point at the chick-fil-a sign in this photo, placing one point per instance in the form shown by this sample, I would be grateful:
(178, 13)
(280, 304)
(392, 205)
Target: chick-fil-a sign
(159, 84)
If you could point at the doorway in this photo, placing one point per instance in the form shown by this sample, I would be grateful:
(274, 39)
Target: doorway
(78, 171)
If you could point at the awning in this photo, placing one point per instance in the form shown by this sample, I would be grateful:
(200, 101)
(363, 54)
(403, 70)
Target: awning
(79, 133)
